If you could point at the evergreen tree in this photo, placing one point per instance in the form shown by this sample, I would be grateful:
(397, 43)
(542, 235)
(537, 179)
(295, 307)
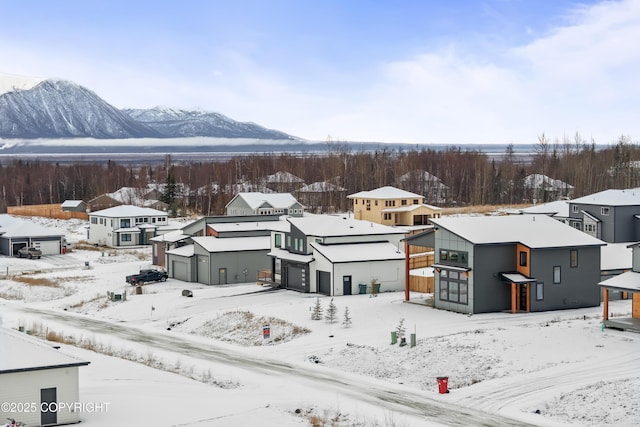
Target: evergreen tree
(400, 329)
(316, 313)
(346, 320)
(331, 312)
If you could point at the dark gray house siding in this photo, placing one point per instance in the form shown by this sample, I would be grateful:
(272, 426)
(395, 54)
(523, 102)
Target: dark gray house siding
(616, 223)
(578, 285)
(221, 268)
(290, 243)
(492, 293)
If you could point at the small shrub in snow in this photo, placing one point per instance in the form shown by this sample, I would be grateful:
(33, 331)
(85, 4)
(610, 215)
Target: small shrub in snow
(346, 318)
(316, 313)
(332, 310)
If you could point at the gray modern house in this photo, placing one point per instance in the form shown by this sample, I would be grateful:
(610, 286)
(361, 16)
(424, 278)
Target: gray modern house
(611, 215)
(513, 263)
(264, 204)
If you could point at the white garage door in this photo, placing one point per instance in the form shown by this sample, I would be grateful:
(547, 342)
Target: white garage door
(48, 247)
(180, 271)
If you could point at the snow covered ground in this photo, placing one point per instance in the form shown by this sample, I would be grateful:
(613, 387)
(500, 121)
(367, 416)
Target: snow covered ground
(165, 359)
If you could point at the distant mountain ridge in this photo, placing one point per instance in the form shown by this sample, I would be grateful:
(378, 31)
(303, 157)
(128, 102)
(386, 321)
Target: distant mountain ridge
(175, 123)
(55, 109)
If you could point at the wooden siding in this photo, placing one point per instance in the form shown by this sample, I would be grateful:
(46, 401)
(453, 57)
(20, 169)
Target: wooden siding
(424, 284)
(635, 304)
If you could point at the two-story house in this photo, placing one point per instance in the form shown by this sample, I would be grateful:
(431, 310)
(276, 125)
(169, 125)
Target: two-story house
(257, 203)
(610, 215)
(392, 206)
(125, 225)
(331, 254)
(516, 263)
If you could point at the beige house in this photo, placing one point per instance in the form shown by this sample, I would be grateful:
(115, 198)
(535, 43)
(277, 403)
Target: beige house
(392, 206)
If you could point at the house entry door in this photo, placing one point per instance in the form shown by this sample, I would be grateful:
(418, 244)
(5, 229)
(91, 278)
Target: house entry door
(346, 285)
(48, 402)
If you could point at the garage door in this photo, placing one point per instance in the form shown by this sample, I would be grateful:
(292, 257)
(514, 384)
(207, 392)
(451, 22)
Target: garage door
(48, 247)
(324, 282)
(203, 270)
(180, 271)
(297, 278)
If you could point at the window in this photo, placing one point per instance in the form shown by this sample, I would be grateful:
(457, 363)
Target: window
(125, 223)
(453, 287)
(277, 240)
(574, 208)
(539, 291)
(94, 220)
(556, 274)
(387, 216)
(573, 258)
(523, 259)
(126, 237)
(288, 242)
(604, 210)
(444, 255)
(376, 203)
(404, 202)
(415, 201)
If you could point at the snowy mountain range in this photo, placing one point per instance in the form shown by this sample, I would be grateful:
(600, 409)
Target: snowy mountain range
(52, 108)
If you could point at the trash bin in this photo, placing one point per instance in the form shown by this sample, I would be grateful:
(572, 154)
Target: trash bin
(443, 385)
(363, 288)
(413, 340)
(375, 288)
(394, 337)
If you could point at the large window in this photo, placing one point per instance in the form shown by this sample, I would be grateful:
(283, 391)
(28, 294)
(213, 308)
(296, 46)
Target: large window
(125, 223)
(277, 240)
(556, 274)
(453, 286)
(539, 291)
(454, 257)
(126, 237)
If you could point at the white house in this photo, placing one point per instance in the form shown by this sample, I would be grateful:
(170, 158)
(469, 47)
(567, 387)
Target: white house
(36, 374)
(264, 204)
(332, 254)
(125, 225)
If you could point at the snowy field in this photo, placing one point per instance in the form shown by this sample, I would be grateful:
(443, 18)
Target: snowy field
(160, 358)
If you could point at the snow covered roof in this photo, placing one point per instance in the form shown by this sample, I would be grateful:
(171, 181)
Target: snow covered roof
(283, 177)
(340, 225)
(29, 354)
(628, 281)
(11, 226)
(282, 254)
(387, 192)
(71, 203)
(280, 225)
(558, 208)
(537, 180)
(124, 211)
(419, 175)
(276, 200)
(628, 197)
(233, 244)
(186, 251)
(171, 237)
(534, 231)
(321, 187)
(409, 208)
(359, 252)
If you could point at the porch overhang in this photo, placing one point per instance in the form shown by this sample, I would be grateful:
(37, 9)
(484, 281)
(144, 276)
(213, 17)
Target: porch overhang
(516, 279)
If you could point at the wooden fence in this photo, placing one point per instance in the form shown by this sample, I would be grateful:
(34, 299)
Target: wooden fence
(48, 211)
(424, 284)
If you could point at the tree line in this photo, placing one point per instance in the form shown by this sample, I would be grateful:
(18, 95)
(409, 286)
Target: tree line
(472, 177)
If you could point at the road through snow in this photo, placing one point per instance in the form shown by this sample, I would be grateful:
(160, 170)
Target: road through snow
(371, 391)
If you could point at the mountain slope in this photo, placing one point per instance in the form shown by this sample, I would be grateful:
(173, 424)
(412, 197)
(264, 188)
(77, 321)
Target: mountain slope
(62, 109)
(174, 123)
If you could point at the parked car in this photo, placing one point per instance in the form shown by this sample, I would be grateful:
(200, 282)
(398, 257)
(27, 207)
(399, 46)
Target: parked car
(29, 252)
(145, 276)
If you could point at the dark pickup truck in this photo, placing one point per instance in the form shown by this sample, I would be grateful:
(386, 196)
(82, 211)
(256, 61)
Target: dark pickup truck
(147, 276)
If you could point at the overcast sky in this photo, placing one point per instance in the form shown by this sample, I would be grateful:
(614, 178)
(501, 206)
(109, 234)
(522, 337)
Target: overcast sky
(413, 71)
